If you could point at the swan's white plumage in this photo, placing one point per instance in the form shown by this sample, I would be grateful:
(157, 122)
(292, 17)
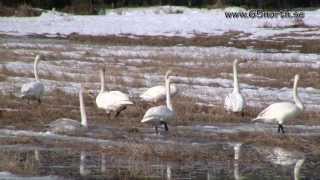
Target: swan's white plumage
(111, 100)
(158, 114)
(280, 112)
(35, 89)
(157, 93)
(70, 126)
(235, 102)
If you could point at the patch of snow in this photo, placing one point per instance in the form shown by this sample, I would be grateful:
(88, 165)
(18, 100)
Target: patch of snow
(164, 21)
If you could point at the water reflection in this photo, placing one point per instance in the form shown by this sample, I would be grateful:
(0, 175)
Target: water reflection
(283, 157)
(236, 148)
(169, 175)
(82, 168)
(67, 163)
(103, 163)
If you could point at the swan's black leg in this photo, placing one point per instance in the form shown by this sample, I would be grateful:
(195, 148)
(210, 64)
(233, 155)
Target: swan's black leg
(120, 110)
(280, 128)
(165, 126)
(156, 128)
(39, 101)
(242, 113)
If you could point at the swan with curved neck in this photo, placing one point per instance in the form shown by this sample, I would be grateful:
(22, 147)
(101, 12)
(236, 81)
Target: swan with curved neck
(283, 111)
(111, 101)
(235, 102)
(33, 90)
(161, 114)
(70, 126)
(158, 93)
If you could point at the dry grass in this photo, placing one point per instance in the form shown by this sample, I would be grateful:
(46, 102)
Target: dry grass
(228, 39)
(19, 163)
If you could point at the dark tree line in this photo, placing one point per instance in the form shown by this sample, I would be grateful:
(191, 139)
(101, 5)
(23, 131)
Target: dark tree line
(94, 4)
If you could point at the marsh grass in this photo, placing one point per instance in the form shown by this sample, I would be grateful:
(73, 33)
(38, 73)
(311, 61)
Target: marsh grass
(19, 163)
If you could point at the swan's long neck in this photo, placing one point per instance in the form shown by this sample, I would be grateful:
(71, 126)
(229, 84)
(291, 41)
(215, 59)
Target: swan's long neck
(35, 68)
(82, 110)
(297, 168)
(235, 78)
(102, 81)
(295, 95)
(168, 98)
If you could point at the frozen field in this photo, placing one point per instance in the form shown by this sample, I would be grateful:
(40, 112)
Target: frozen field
(203, 142)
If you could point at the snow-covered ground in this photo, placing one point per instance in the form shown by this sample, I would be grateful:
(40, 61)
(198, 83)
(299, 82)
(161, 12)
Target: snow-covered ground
(164, 21)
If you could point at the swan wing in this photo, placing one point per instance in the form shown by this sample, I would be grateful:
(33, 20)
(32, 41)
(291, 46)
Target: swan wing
(158, 93)
(32, 89)
(158, 113)
(112, 100)
(154, 94)
(278, 111)
(119, 96)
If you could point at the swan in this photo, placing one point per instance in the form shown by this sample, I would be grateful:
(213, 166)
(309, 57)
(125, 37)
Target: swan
(158, 93)
(283, 111)
(111, 101)
(235, 102)
(70, 126)
(160, 114)
(35, 89)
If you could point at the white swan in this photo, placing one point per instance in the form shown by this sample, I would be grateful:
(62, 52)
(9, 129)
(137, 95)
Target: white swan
(70, 126)
(235, 102)
(111, 101)
(160, 114)
(35, 89)
(158, 93)
(283, 111)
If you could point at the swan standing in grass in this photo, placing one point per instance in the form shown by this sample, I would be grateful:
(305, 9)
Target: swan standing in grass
(235, 102)
(112, 101)
(70, 126)
(158, 93)
(33, 90)
(161, 114)
(283, 111)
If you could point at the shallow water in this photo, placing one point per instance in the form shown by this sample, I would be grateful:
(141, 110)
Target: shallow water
(33, 162)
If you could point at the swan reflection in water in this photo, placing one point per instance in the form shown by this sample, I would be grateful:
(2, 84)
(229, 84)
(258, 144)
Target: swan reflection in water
(236, 172)
(82, 170)
(283, 157)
